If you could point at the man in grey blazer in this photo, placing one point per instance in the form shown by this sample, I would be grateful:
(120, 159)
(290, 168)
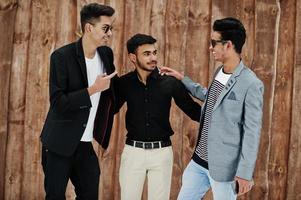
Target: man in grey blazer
(225, 156)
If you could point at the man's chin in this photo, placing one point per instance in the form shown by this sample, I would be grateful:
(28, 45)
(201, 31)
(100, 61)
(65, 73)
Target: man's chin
(104, 42)
(149, 69)
(153, 66)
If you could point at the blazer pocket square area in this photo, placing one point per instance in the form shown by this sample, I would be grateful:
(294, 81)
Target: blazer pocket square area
(232, 96)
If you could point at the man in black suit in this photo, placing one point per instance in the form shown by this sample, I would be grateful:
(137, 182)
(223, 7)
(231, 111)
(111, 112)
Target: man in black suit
(81, 107)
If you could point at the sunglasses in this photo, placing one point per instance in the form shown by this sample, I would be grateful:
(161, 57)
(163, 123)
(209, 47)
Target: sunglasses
(214, 42)
(106, 28)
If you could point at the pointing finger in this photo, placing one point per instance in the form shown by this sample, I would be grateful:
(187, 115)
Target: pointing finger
(111, 75)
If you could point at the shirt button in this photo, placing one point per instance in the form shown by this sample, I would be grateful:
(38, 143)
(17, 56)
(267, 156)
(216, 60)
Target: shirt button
(84, 125)
(146, 88)
(147, 124)
(145, 100)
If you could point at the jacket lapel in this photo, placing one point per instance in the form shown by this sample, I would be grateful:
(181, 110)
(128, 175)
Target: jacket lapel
(81, 60)
(231, 82)
(203, 107)
(105, 60)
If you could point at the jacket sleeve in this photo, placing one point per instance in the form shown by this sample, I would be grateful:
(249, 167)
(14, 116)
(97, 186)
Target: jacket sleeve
(195, 89)
(251, 130)
(109, 53)
(62, 100)
(185, 102)
(120, 96)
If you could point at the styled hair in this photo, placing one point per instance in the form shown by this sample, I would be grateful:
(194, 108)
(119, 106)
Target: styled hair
(137, 40)
(231, 29)
(91, 13)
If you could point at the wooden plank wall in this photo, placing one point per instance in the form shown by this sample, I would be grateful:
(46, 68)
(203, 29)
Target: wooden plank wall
(31, 30)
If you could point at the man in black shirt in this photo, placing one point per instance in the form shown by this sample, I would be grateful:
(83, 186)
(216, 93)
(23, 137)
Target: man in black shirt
(148, 147)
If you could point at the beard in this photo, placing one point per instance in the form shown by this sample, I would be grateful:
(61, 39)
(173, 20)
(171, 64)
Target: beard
(144, 67)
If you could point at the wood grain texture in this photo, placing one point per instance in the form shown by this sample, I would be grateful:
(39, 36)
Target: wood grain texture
(34, 28)
(267, 14)
(7, 20)
(15, 140)
(281, 116)
(294, 162)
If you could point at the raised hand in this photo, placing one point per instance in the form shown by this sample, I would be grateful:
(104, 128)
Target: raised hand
(101, 83)
(171, 72)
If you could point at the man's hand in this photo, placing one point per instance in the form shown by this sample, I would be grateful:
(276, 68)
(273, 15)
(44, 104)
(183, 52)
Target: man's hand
(244, 185)
(171, 72)
(101, 83)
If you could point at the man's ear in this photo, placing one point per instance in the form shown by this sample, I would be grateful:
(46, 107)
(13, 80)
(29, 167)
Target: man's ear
(132, 57)
(230, 45)
(88, 27)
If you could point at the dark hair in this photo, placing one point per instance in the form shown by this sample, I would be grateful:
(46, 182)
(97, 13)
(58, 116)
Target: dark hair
(231, 29)
(91, 12)
(137, 40)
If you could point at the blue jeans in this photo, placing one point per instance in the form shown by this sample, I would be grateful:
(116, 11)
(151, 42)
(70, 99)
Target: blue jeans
(197, 181)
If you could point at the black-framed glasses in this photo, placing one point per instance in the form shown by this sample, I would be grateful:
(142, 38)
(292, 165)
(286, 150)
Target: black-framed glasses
(106, 28)
(214, 42)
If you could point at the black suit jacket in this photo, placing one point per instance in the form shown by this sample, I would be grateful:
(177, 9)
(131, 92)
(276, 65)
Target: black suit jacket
(70, 101)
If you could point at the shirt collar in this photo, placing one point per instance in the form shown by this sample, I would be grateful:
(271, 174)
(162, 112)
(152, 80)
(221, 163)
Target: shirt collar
(153, 75)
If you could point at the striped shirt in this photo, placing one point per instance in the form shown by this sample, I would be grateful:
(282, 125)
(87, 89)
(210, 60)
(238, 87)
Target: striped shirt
(215, 90)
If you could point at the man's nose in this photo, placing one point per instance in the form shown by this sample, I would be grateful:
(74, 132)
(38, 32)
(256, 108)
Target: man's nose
(154, 57)
(109, 33)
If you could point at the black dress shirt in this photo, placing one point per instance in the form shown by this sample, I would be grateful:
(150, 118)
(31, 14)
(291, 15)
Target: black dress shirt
(148, 106)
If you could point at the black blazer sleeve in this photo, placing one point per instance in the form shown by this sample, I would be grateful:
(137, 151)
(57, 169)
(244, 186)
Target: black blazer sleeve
(61, 99)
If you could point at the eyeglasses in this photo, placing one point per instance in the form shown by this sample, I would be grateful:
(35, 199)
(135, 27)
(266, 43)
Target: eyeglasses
(106, 28)
(214, 42)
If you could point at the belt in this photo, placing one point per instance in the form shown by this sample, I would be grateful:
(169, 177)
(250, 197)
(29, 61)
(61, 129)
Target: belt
(148, 145)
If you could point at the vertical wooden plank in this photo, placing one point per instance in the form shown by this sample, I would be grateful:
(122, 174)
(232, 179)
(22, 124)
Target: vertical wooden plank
(247, 16)
(15, 142)
(294, 164)
(7, 21)
(66, 23)
(139, 13)
(157, 27)
(267, 14)
(41, 43)
(197, 68)
(176, 34)
(282, 103)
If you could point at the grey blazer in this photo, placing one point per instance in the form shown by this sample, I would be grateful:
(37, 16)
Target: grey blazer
(235, 126)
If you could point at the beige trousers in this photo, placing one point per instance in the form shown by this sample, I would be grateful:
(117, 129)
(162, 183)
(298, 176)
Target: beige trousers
(137, 163)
